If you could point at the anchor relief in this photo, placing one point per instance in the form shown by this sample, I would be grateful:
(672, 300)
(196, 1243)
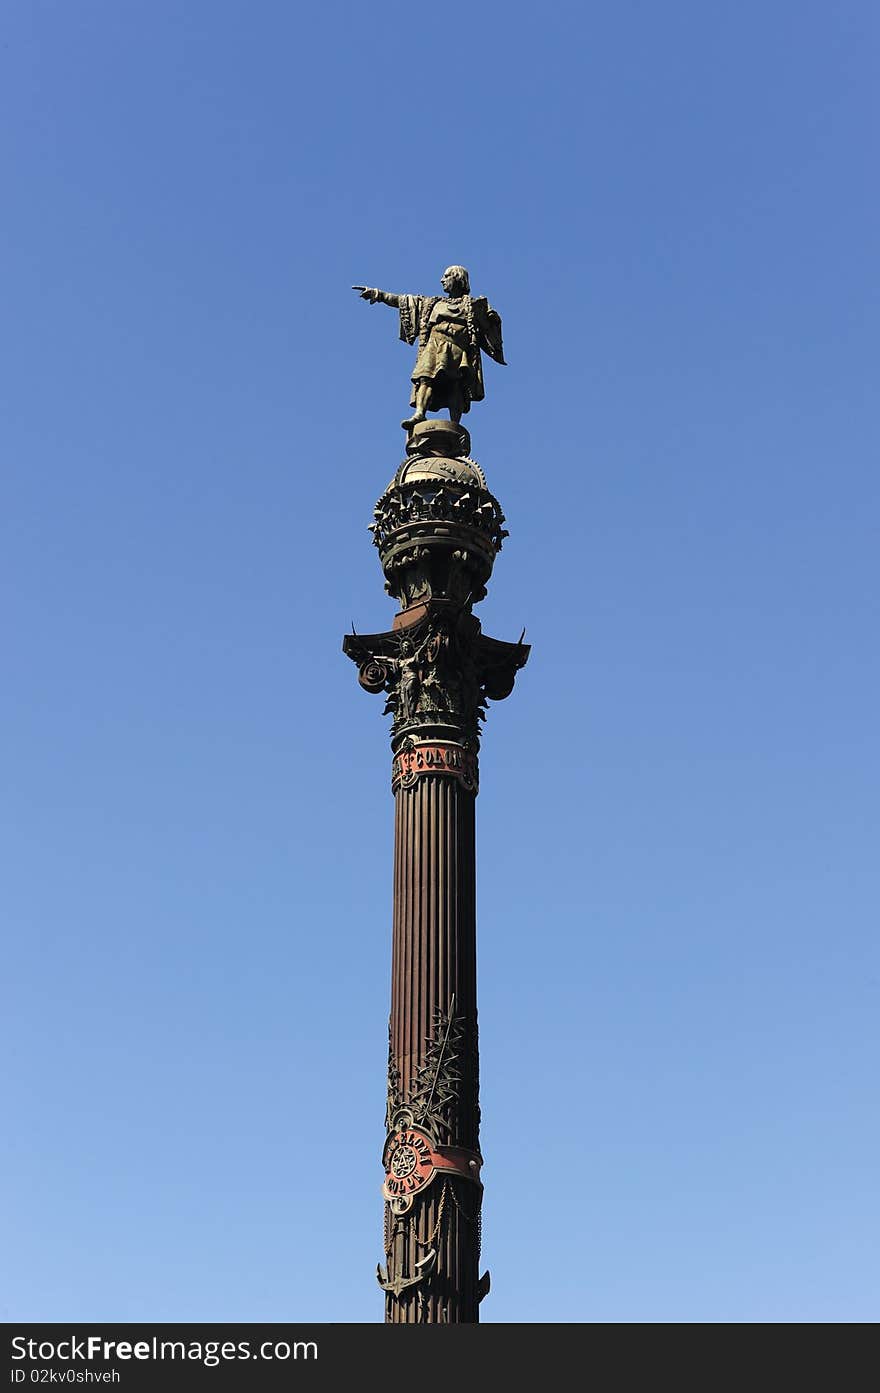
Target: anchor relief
(414, 1156)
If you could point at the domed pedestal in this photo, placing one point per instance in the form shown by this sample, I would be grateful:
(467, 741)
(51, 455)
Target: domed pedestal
(437, 527)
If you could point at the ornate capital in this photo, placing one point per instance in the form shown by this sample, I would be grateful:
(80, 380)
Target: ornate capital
(438, 676)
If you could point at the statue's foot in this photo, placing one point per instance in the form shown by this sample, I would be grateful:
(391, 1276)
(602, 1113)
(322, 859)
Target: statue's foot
(413, 421)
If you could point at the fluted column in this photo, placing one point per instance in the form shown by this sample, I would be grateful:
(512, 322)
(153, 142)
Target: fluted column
(433, 1047)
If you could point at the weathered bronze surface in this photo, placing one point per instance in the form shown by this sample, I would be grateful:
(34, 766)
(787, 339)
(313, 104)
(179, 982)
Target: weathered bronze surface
(438, 530)
(451, 329)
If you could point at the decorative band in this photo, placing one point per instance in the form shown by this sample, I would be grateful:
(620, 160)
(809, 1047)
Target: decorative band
(412, 1161)
(434, 757)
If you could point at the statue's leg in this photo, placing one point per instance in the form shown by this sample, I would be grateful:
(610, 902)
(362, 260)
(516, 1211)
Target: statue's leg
(456, 402)
(423, 396)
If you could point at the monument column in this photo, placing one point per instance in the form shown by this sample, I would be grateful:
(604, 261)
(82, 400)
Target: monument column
(438, 530)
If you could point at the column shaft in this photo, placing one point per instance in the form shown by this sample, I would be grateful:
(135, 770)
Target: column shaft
(434, 992)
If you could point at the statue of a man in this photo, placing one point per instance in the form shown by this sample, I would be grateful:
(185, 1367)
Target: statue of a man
(451, 329)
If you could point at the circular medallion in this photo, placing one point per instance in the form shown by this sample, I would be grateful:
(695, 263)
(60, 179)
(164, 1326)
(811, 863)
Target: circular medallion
(409, 1163)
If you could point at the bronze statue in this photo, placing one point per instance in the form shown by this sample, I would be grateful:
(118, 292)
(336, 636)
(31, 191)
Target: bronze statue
(451, 329)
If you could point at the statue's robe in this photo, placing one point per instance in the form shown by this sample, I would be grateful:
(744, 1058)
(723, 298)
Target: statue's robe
(449, 347)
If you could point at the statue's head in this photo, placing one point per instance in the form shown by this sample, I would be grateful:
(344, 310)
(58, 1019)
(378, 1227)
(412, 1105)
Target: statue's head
(456, 281)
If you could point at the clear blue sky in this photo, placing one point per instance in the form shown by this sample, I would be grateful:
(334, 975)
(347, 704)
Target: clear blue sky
(674, 207)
